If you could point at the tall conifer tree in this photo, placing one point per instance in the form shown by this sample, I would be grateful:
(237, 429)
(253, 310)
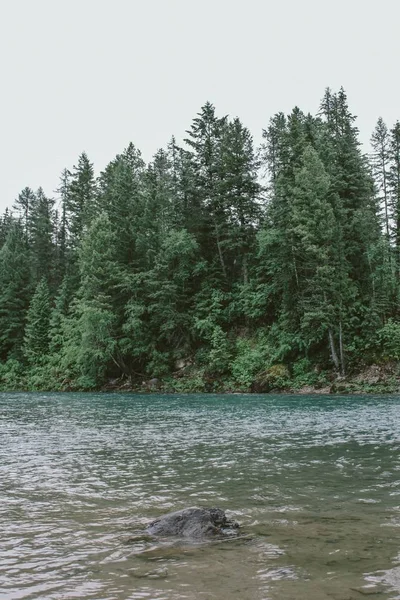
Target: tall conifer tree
(37, 330)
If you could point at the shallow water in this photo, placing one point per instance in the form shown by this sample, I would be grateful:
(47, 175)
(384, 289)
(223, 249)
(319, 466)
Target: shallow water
(314, 482)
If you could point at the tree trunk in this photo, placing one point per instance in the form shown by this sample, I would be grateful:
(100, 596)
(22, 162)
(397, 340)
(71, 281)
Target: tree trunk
(245, 270)
(221, 256)
(295, 268)
(334, 355)
(341, 350)
(385, 199)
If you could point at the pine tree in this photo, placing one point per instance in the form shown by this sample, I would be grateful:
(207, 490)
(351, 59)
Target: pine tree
(274, 150)
(91, 335)
(15, 290)
(6, 223)
(180, 183)
(318, 276)
(380, 167)
(189, 211)
(204, 142)
(58, 316)
(80, 198)
(42, 242)
(24, 206)
(394, 186)
(283, 150)
(159, 213)
(62, 228)
(121, 198)
(37, 330)
(356, 212)
(240, 194)
(159, 315)
(351, 185)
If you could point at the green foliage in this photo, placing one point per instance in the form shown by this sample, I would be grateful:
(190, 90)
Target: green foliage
(252, 357)
(275, 377)
(219, 354)
(194, 382)
(37, 330)
(190, 257)
(41, 232)
(305, 373)
(389, 339)
(15, 291)
(79, 198)
(94, 342)
(12, 375)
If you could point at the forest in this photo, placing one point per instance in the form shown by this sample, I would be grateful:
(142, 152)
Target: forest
(218, 266)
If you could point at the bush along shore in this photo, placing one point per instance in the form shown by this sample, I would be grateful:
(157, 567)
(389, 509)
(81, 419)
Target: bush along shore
(216, 267)
(303, 379)
(374, 379)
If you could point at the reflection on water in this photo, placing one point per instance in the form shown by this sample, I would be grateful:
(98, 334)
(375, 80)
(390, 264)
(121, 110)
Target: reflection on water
(315, 483)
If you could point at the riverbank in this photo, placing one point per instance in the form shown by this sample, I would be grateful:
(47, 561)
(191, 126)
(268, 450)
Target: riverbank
(381, 378)
(373, 379)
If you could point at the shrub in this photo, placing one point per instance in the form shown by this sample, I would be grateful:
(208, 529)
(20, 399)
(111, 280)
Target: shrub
(251, 359)
(275, 377)
(389, 339)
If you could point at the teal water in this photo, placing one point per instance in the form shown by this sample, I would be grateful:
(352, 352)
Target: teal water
(314, 482)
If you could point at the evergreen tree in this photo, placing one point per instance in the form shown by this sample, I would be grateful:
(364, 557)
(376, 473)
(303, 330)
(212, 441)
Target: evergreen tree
(319, 279)
(351, 186)
(188, 208)
(91, 344)
(62, 228)
(394, 186)
(24, 206)
(165, 310)
(79, 197)
(59, 315)
(121, 198)
(380, 166)
(6, 223)
(15, 290)
(240, 194)
(159, 211)
(42, 242)
(37, 329)
(275, 148)
(205, 143)
(283, 151)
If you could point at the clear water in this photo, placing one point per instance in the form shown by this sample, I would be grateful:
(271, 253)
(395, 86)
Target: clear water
(314, 482)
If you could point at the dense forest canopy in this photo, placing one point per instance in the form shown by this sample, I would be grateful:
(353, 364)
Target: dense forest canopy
(216, 264)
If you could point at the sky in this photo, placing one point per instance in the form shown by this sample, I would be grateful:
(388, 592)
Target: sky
(93, 75)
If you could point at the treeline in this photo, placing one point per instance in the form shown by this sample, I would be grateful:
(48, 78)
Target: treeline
(214, 266)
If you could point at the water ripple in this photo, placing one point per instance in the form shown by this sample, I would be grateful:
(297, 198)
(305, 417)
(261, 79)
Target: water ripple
(314, 482)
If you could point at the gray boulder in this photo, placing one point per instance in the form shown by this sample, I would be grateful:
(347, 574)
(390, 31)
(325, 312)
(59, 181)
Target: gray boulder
(193, 523)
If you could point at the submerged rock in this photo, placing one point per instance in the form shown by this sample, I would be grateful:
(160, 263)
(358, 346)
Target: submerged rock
(194, 523)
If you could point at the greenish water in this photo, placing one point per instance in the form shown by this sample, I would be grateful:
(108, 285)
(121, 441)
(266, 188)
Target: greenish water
(314, 482)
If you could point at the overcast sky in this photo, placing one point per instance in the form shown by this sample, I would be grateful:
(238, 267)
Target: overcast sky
(95, 74)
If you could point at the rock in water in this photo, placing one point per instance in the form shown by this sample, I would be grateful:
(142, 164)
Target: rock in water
(193, 523)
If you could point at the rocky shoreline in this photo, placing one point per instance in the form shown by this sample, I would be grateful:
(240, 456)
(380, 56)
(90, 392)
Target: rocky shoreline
(373, 379)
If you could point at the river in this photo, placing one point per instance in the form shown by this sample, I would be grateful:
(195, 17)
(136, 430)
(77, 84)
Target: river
(313, 481)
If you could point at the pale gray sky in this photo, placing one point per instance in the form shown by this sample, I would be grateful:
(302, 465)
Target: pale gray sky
(95, 74)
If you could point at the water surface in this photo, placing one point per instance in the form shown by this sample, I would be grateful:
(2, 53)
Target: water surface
(314, 482)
